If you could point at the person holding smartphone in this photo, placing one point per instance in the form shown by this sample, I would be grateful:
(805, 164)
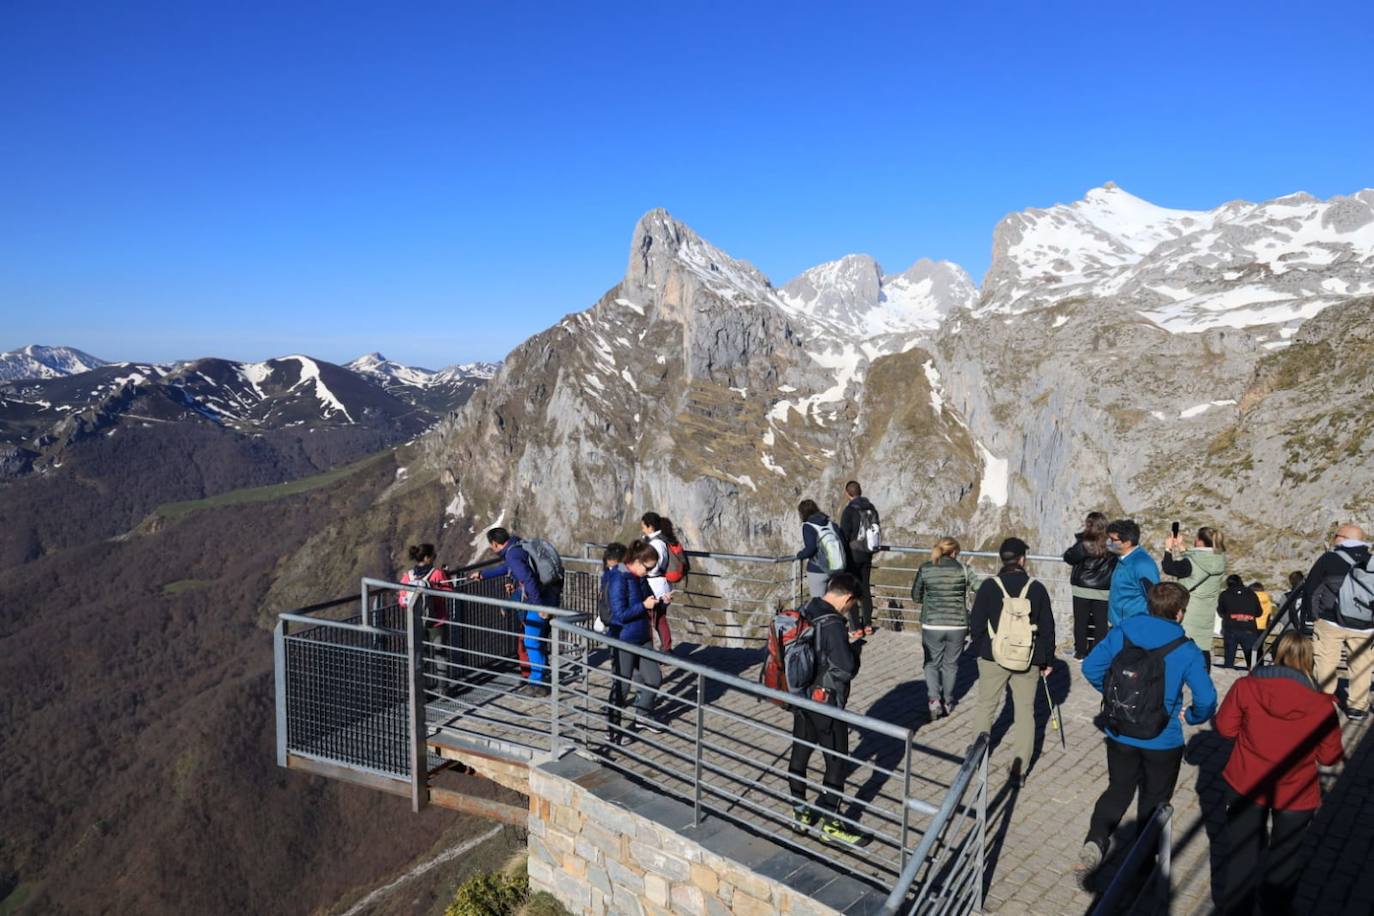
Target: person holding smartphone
(1201, 569)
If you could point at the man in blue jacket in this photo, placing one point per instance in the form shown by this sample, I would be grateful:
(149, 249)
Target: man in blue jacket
(516, 563)
(1147, 766)
(1127, 595)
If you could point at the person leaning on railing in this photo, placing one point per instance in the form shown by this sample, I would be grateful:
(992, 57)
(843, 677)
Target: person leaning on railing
(516, 563)
(1283, 728)
(942, 588)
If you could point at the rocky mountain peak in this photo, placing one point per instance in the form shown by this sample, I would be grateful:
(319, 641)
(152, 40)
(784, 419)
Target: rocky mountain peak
(665, 253)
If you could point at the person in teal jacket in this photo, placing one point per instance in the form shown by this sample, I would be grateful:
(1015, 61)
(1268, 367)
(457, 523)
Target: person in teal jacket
(1135, 571)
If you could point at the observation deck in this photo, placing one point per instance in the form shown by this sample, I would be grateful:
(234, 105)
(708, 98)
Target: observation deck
(369, 693)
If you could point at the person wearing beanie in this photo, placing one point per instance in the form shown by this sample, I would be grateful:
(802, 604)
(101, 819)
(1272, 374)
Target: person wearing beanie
(985, 620)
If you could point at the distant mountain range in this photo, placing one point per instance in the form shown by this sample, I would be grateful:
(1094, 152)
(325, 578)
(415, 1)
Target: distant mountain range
(77, 396)
(38, 361)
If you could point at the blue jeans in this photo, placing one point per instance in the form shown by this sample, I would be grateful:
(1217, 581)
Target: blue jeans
(536, 646)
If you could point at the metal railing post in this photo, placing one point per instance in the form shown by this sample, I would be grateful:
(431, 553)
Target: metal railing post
(906, 794)
(419, 755)
(696, 754)
(365, 610)
(554, 695)
(279, 661)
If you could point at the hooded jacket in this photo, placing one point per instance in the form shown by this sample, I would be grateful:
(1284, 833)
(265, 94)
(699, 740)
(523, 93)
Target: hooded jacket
(1202, 571)
(849, 526)
(942, 588)
(1092, 575)
(1184, 665)
(811, 544)
(1323, 582)
(1283, 727)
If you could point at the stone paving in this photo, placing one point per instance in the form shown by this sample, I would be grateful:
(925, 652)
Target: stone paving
(1034, 834)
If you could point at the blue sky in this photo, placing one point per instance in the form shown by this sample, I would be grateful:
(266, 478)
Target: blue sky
(438, 181)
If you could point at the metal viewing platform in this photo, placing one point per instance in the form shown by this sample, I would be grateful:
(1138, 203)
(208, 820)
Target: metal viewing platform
(369, 693)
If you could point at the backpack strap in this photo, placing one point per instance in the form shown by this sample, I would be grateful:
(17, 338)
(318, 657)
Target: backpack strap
(1170, 646)
(1000, 586)
(1026, 591)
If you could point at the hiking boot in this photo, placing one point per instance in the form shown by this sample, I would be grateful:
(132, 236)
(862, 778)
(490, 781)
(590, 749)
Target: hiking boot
(838, 831)
(1357, 715)
(937, 711)
(1089, 858)
(803, 819)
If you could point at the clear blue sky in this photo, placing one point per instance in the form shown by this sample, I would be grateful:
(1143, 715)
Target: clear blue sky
(439, 180)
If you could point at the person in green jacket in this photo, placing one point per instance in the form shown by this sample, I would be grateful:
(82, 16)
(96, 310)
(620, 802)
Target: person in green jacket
(942, 588)
(1201, 569)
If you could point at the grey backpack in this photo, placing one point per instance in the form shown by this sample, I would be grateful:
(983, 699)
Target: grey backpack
(1355, 600)
(548, 565)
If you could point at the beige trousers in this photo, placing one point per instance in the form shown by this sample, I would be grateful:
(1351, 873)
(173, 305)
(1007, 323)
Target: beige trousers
(993, 680)
(1327, 642)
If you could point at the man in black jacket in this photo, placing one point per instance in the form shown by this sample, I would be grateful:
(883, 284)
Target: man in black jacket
(993, 679)
(836, 665)
(856, 519)
(1348, 550)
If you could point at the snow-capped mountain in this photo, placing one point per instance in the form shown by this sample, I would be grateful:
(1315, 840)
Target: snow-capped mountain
(1241, 265)
(436, 391)
(378, 366)
(38, 361)
(854, 295)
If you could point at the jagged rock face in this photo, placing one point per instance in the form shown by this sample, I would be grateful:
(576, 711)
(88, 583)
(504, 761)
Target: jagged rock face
(696, 388)
(692, 387)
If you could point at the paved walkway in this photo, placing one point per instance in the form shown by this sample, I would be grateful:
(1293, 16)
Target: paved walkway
(1034, 835)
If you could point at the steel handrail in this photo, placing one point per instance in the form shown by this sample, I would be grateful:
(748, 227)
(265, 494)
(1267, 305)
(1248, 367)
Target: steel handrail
(973, 761)
(750, 687)
(505, 603)
(1157, 831)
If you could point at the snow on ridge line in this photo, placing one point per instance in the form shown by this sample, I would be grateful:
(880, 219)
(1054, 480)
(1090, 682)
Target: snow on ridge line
(310, 370)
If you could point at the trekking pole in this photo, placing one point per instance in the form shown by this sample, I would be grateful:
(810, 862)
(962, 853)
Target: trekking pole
(1056, 717)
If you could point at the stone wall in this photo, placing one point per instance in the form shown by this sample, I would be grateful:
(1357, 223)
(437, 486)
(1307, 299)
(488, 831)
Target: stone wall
(601, 844)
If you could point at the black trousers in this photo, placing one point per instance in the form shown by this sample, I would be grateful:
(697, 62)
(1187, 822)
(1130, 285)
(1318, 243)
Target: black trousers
(1246, 639)
(833, 739)
(1131, 770)
(1264, 864)
(862, 614)
(1089, 624)
(627, 665)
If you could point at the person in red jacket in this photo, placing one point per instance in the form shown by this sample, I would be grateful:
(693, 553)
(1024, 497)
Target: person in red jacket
(1283, 727)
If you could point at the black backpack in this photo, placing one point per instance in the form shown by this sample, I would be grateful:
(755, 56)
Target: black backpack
(603, 605)
(1133, 691)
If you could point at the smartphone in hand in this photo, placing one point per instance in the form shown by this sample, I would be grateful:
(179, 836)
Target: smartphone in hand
(1175, 529)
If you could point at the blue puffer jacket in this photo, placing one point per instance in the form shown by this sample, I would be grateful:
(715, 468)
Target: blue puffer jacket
(1183, 665)
(625, 592)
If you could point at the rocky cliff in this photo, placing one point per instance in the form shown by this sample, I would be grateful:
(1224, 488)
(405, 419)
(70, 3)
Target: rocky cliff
(1200, 365)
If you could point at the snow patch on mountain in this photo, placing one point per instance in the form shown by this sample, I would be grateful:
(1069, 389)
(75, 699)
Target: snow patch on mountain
(39, 361)
(310, 372)
(378, 366)
(853, 296)
(993, 486)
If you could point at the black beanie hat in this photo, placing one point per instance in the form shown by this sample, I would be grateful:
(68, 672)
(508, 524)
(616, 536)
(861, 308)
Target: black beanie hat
(1013, 549)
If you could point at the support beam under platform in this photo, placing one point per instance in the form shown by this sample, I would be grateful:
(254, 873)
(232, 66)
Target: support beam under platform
(502, 769)
(482, 807)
